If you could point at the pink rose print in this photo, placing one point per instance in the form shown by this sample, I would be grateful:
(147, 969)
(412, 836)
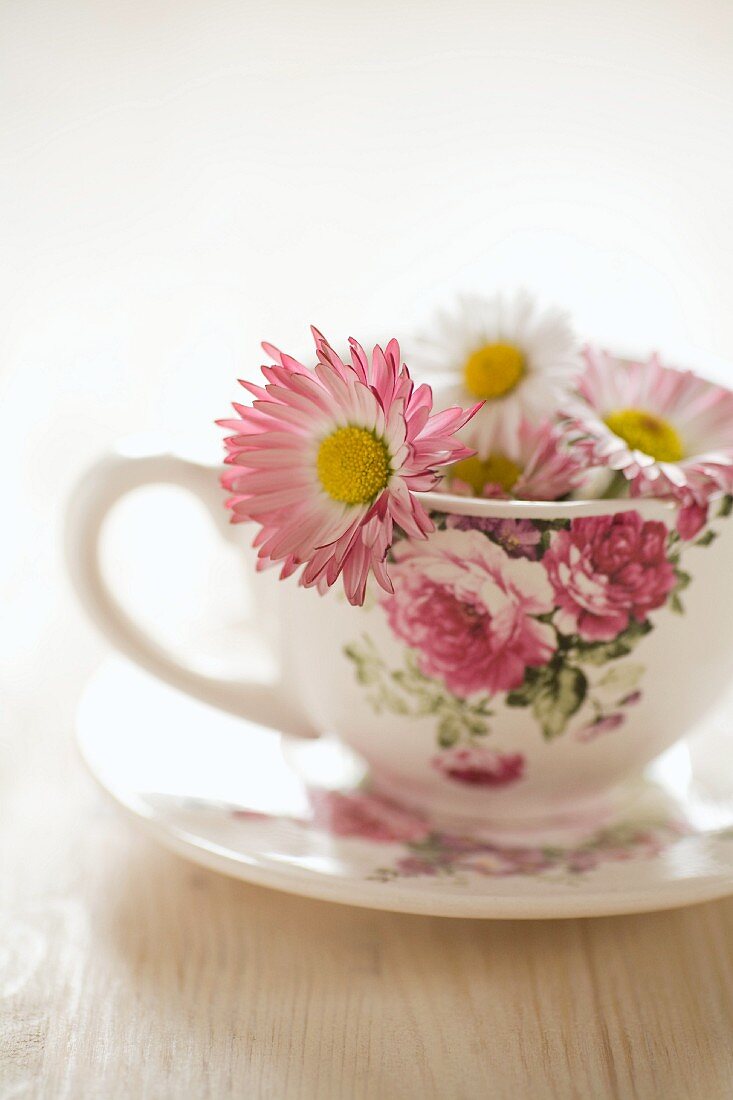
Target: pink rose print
(479, 767)
(367, 816)
(607, 570)
(467, 608)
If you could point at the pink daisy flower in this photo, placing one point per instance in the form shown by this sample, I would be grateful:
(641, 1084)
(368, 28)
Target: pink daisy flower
(536, 463)
(668, 432)
(328, 460)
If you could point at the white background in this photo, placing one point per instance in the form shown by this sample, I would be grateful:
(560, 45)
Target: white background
(181, 180)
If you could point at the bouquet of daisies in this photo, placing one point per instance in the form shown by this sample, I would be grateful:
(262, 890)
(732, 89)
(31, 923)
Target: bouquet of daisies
(330, 459)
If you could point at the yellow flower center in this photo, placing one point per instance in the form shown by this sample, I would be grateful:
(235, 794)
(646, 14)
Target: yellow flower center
(477, 472)
(353, 465)
(643, 431)
(493, 370)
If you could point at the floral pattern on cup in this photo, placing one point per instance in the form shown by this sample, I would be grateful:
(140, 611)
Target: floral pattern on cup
(607, 572)
(536, 614)
(605, 724)
(519, 537)
(476, 766)
(470, 611)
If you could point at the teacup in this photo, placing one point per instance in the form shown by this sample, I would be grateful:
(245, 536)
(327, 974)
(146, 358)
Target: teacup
(532, 658)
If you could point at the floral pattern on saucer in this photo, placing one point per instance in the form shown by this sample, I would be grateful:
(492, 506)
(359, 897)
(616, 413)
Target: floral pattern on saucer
(448, 854)
(427, 851)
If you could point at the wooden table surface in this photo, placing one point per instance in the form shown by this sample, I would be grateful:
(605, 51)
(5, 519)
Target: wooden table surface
(127, 972)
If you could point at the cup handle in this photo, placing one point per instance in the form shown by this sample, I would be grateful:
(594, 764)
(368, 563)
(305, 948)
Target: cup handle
(103, 484)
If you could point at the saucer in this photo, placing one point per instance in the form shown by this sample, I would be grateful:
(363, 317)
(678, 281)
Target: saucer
(297, 816)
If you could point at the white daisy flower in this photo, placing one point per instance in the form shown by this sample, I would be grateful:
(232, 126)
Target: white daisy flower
(519, 360)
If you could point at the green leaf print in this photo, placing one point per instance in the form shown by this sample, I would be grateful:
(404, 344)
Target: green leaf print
(449, 732)
(526, 693)
(683, 580)
(558, 699)
(623, 677)
(407, 691)
(598, 653)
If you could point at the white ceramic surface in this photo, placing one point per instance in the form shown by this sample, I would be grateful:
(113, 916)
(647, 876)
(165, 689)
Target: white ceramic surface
(288, 814)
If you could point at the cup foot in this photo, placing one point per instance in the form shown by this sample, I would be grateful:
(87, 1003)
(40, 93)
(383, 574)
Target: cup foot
(562, 823)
